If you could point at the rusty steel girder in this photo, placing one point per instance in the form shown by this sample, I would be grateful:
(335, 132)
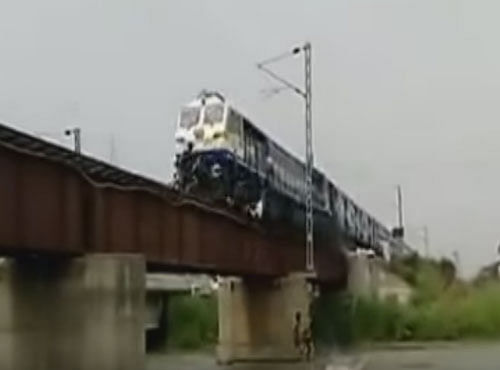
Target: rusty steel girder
(53, 201)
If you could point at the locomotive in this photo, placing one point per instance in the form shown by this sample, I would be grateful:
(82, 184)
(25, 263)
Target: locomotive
(223, 157)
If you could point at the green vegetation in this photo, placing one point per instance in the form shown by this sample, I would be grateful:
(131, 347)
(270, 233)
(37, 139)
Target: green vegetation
(442, 308)
(192, 321)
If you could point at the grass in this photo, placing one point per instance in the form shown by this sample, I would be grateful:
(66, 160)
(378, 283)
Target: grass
(442, 308)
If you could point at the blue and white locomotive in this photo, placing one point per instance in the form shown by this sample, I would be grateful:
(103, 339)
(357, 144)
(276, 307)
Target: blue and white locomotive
(224, 157)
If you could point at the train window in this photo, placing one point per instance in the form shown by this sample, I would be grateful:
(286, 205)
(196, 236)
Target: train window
(261, 158)
(233, 122)
(248, 149)
(213, 113)
(339, 207)
(347, 208)
(189, 117)
(250, 152)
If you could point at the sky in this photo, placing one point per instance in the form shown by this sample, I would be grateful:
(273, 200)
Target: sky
(404, 92)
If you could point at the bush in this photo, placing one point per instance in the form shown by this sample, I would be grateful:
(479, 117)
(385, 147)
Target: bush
(192, 321)
(440, 310)
(342, 319)
(331, 319)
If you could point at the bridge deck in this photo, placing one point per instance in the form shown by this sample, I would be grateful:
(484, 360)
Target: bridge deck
(53, 200)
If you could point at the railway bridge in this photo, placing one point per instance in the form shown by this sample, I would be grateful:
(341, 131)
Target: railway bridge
(77, 236)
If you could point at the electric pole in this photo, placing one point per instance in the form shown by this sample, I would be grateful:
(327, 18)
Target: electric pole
(400, 207)
(309, 162)
(306, 93)
(398, 232)
(76, 132)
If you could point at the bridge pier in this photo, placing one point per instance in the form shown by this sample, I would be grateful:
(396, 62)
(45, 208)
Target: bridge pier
(81, 314)
(256, 318)
(371, 277)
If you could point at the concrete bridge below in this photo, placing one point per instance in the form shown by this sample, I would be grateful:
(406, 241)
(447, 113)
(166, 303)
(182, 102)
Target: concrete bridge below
(89, 313)
(78, 236)
(80, 314)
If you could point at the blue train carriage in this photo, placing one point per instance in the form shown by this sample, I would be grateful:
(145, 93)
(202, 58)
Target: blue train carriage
(285, 194)
(223, 156)
(357, 226)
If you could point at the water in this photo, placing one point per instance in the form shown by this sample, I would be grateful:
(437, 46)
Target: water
(435, 356)
(206, 361)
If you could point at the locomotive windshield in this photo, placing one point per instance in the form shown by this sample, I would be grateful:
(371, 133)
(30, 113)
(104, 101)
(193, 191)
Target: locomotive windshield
(213, 113)
(189, 117)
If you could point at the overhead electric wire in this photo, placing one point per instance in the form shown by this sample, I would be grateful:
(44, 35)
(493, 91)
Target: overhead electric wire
(276, 58)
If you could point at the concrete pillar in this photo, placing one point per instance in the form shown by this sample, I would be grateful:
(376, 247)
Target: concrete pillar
(256, 318)
(371, 278)
(80, 314)
(360, 279)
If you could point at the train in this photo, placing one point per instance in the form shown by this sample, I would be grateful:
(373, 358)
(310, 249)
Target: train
(224, 157)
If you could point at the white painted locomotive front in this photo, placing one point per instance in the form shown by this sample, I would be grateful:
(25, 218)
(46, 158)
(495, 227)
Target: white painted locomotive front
(209, 132)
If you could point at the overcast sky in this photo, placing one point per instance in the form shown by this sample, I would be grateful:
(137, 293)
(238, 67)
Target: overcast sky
(405, 92)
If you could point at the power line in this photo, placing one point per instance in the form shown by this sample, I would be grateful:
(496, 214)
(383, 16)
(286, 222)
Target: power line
(279, 57)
